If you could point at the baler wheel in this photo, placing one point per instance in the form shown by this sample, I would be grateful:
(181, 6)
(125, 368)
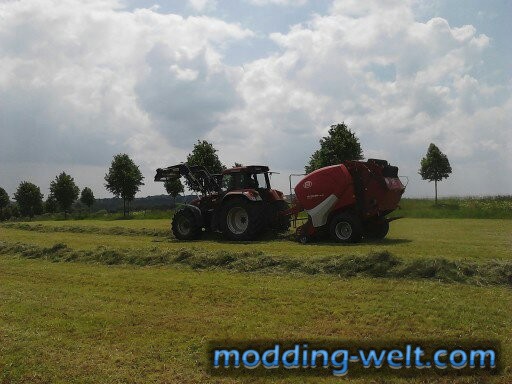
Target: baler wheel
(377, 229)
(241, 219)
(184, 226)
(345, 228)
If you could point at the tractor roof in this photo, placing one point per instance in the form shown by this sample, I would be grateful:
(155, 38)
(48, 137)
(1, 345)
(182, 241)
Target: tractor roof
(247, 169)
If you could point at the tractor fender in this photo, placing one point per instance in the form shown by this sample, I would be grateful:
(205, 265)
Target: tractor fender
(195, 211)
(249, 194)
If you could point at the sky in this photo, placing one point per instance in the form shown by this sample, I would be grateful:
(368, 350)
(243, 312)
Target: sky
(81, 81)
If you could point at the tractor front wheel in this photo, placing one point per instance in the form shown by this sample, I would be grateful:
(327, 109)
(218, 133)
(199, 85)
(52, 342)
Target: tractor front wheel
(241, 219)
(345, 228)
(184, 226)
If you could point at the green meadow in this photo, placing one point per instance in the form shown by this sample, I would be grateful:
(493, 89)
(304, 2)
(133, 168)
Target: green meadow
(121, 301)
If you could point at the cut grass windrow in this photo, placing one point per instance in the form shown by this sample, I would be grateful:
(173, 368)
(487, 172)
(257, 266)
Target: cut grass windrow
(88, 229)
(376, 264)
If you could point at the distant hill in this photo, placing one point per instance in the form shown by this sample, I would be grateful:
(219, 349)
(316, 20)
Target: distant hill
(141, 203)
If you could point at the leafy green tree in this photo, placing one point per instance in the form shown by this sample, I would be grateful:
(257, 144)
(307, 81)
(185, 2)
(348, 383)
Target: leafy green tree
(87, 198)
(435, 166)
(173, 188)
(65, 191)
(50, 205)
(339, 145)
(14, 210)
(205, 154)
(4, 201)
(6, 213)
(123, 179)
(29, 199)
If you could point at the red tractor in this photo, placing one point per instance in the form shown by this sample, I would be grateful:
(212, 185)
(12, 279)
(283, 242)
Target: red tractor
(239, 203)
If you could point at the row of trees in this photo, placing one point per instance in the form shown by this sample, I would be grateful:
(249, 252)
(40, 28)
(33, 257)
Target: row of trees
(123, 180)
(29, 199)
(124, 177)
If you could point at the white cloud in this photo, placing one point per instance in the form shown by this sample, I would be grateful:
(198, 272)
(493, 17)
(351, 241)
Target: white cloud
(295, 3)
(81, 81)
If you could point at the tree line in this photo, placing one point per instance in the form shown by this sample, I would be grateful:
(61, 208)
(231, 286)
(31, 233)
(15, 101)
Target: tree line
(124, 178)
(29, 199)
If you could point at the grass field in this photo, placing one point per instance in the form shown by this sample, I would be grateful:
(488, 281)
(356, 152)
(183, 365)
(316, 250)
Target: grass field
(95, 323)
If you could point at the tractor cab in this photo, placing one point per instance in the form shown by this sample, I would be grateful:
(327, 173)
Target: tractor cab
(249, 177)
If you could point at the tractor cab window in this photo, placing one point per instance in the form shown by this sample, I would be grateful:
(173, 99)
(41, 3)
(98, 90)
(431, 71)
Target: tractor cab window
(260, 180)
(232, 181)
(254, 181)
(249, 181)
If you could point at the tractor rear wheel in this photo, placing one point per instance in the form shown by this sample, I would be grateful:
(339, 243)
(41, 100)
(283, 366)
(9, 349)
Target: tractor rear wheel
(241, 219)
(377, 229)
(184, 226)
(280, 223)
(345, 228)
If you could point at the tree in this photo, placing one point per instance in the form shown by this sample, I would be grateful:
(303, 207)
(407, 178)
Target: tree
(50, 205)
(4, 200)
(339, 145)
(29, 199)
(123, 179)
(435, 166)
(87, 198)
(174, 188)
(13, 211)
(205, 154)
(65, 191)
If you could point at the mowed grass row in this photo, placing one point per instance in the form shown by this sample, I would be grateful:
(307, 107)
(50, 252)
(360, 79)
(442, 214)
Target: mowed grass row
(453, 239)
(80, 323)
(378, 265)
